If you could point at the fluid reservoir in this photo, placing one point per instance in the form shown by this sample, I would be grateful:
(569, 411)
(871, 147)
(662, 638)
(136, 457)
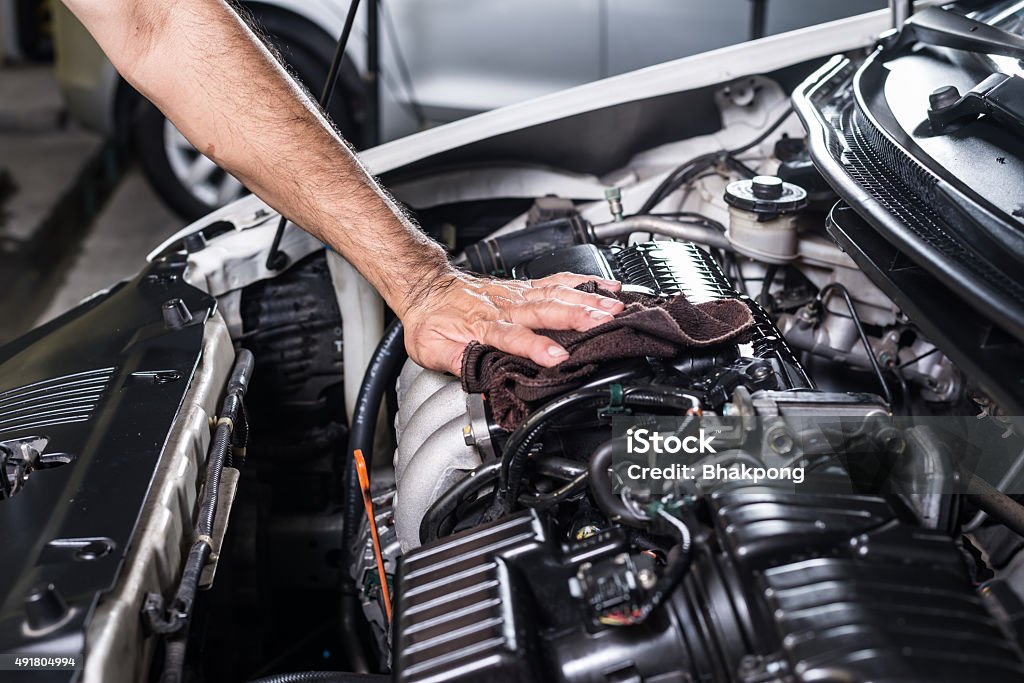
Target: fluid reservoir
(762, 217)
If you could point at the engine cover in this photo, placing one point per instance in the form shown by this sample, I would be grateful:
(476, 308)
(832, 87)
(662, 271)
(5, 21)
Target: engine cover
(105, 422)
(784, 587)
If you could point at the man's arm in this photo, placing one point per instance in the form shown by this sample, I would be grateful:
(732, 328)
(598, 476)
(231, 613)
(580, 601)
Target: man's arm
(210, 75)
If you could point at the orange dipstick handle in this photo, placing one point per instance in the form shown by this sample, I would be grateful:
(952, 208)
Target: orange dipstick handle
(364, 484)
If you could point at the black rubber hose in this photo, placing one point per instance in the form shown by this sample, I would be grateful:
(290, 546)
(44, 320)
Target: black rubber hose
(442, 508)
(174, 657)
(386, 361)
(679, 177)
(323, 677)
(542, 501)
(354, 655)
(521, 442)
(380, 374)
(678, 564)
(560, 468)
(601, 486)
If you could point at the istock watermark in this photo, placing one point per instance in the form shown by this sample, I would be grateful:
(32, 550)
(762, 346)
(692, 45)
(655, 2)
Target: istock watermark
(714, 473)
(640, 441)
(918, 456)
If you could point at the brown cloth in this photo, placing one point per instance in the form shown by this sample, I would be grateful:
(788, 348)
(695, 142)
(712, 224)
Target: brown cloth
(648, 327)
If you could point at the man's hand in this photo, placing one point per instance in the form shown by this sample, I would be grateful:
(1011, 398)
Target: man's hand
(458, 308)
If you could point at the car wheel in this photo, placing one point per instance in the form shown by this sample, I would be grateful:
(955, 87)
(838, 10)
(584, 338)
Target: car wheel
(191, 184)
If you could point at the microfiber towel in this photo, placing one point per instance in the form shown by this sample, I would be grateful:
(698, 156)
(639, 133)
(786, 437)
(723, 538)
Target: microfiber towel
(649, 326)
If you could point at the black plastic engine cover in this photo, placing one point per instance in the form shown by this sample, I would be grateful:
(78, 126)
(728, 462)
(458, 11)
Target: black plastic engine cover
(102, 385)
(855, 593)
(493, 604)
(783, 586)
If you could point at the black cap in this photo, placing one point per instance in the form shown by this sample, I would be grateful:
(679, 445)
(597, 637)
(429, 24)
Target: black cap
(765, 194)
(767, 186)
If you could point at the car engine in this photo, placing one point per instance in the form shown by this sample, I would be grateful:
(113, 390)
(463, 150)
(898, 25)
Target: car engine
(246, 475)
(733, 580)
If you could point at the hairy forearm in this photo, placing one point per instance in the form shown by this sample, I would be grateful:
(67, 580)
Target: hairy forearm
(199, 63)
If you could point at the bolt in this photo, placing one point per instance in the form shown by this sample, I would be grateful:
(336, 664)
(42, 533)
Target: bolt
(176, 314)
(648, 579)
(780, 441)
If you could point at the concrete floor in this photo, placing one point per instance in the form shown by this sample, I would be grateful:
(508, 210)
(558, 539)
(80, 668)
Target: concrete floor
(40, 152)
(55, 248)
(132, 224)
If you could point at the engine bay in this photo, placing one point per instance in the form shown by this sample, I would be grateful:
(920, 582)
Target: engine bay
(827, 491)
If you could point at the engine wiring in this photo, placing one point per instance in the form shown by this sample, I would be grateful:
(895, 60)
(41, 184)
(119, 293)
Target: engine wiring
(677, 565)
(688, 171)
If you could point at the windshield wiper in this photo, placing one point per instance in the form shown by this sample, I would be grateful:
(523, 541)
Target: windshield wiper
(934, 26)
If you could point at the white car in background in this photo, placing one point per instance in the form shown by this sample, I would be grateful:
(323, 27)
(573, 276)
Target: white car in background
(439, 61)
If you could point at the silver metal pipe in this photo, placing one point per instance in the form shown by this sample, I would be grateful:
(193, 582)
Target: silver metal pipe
(900, 11)
(663, 226)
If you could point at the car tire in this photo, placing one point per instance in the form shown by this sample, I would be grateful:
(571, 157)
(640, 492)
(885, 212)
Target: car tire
(191, 185)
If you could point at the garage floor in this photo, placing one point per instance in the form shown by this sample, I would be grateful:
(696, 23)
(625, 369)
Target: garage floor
(66, 230)
(132, 223)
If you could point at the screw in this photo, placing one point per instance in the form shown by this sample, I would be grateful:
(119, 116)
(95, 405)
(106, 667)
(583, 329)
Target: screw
(780, 441)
